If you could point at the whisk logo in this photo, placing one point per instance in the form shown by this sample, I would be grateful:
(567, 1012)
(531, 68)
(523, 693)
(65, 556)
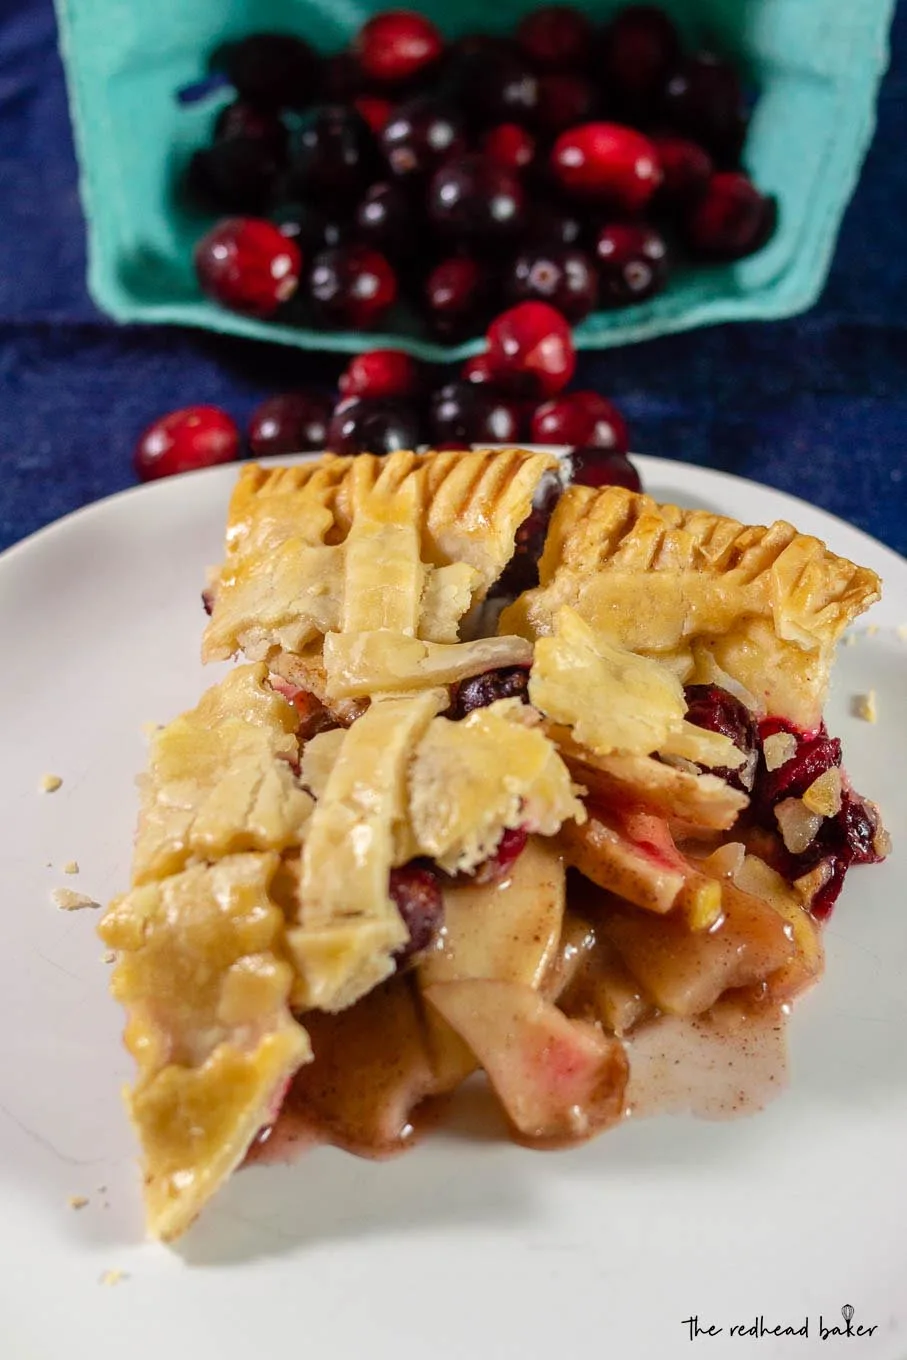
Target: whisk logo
(850, 1328)
(760, 1326)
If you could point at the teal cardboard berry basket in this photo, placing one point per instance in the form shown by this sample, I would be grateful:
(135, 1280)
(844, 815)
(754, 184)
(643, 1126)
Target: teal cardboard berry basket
(816, 63)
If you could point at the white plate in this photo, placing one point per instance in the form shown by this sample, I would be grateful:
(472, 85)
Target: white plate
(463, 1248)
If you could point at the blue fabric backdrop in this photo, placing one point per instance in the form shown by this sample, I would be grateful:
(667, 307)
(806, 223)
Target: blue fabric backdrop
(816, 405)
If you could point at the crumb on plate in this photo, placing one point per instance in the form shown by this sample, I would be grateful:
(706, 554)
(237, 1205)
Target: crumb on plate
(901, 631)
(871, 629)
(77, 1201)
(848, 639)
(864, 706)
(50, 783)
(71, 866)
(113, 1277)
(109, 956)
(67, 900)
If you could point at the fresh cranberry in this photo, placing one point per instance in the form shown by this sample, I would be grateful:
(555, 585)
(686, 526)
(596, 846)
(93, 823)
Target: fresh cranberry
(601, 467)
(312, 228)
(549, 224)
(533, 339)
(196, 437)
(246, 264)
(381, 373)
(416, 892)
(474, 414)
(507, 682)
(686, 170)
(237, 175)
(456, 297)
(703, 100)
(565, 278)
(632, 263)
(420, 136)
(271, 70)
(473, 199)
(496, 868)
(497, 85)
(335, 156)
(563, 102)
(639, 49)
(509, 146)
(607, 163)
(583, 419)
(342, 79)
(384, 219)
(242, 119)
(352, 287)
(294, 422)
(397, 44)
(731, 220)
(716, 710)
(373, 425)
(375, 111)
(556, 37)
(478, 370)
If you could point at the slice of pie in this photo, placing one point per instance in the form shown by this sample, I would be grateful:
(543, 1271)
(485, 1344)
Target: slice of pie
(424, 829)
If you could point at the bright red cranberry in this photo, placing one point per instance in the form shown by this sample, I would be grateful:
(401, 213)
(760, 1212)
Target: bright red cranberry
(498, 866)
(686, 169)
(703, 100)
(534, 339)
(373, 425)
(731, 220)
(556, 37)
(581, 419)
(247, 264)
(456, 297)
(507, 682)
(294, 422)
(509, 146)
(375, 111)
(196, 437)
(607, 163)
(416, 892)
(420, 136)
(639, 49)
(384, 219)
(473, 414)
(717, 710)
(632, 263)
(271, 70)
(397, 44)
(381, 373)
(472, 199)
(601, 467)
(478, 370)
(562, 277)
(335, 157)
(352, 286)
(563, 102)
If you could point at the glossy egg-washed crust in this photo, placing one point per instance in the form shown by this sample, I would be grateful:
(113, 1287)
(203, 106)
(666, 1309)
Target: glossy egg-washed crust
(259, 895)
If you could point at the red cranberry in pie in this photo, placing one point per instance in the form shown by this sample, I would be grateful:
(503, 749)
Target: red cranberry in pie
(381, 373)
(607, 163)
(509, 146)
(601, 467)
(456, 297)
(731, 220)
(556, 37)
(703, 101)
(563, 277)
(293, 422)
(474, 200)
(815, 754)
(420, 136)
(686, 168)
(416, 892)
(563, 102)
(632, 263)
(247, 264)
(498, 866)
(195, 437)
(473, 414)
(271, 70)
(507, 682)
(397, 44)
(581, 419)
(352, 286)
(639, 48)
(715, 709)
(373, 425)
(532, 340)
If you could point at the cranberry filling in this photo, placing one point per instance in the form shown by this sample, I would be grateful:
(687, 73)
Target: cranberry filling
(716, 710)
(507, 682)
(816, 753)
(497, 866)
(416, 890)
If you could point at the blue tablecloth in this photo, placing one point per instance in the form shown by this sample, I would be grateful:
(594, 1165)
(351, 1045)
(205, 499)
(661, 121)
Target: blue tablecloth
(816, 405)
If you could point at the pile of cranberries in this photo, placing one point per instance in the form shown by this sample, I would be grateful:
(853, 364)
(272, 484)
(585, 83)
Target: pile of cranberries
(564, 164)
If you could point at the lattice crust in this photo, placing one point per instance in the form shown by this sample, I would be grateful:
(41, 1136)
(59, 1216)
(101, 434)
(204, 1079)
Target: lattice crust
(219, 779)
(205, 984)
(410, 542)
(768, 604)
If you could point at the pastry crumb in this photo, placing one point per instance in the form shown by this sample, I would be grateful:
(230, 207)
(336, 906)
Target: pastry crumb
(901, 631)
(113, 1277)
(67, 900)
(77, 1201)
(109, 956)
(50, 783)
(864, 706)
(848, 639)
(871, 629)
(71, 866)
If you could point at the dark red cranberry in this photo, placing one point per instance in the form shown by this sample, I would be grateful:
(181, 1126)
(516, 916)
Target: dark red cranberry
(716, 710)
(352, 287)
(474, 200)
(601, 467)
(457, 295)
(384, 219)
(342, 79)
(509, 146)
(582, 419)
(196, 437)
(563, 102)
(420, 136)
(397, 44)
(703, 100)
(246, 264)
(731, 220)
(632, 263)
(607, 163)
(478, 370)
(271, 70)
(375, 111)
(507, 682)
(373, 425)
(549, 224)
(236, 176)
(416, 892)
(208, 601)
(496, 85)
(855, 830)
(686, 170)
(533, 339)
(824, 900)
(294, 422)
(496, 868)
(639, 49)
(474, 414)
(565, 278)
(556, 38)
(814, 755)
(312, 228)
(263, 126)
(335, 156)
(381, 373)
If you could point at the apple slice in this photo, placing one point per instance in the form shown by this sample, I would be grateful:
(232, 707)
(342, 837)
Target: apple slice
(560, 1081)
(756, 877)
